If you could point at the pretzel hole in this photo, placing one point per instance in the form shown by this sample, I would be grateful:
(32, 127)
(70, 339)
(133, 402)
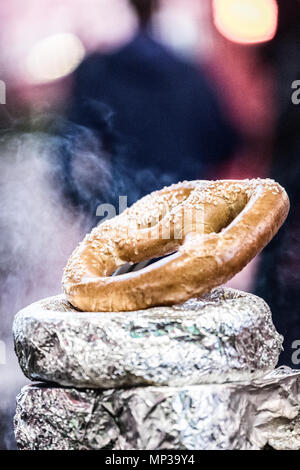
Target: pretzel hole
(132, 267)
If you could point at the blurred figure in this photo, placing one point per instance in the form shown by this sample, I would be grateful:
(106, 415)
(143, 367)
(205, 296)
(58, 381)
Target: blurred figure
(167, 121)
(278, 280)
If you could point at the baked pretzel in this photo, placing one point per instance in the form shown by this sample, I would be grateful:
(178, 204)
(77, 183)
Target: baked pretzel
(211, 229)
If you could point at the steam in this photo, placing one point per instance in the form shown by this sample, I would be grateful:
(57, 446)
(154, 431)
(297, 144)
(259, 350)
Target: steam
(45, 210)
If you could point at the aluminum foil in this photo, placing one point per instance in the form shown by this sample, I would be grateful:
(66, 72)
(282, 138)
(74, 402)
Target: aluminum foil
(208, 416)
(225, 336)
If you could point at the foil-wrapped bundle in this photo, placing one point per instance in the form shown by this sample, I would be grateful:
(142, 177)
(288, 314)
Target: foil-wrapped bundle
(224, 336)
(250, 415)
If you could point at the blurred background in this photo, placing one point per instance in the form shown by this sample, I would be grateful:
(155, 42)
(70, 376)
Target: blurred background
(108, 98)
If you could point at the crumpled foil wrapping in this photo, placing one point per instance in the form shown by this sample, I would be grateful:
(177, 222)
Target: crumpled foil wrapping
(208, 416)
(225, 336)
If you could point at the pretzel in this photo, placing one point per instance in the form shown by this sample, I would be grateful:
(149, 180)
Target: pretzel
(209, 229)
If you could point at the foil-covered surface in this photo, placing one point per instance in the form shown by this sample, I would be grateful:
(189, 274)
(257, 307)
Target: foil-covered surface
(242, 416)
(224, 336)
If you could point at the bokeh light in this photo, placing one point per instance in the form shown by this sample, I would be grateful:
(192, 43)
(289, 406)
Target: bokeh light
(54, 57)
(246, 21)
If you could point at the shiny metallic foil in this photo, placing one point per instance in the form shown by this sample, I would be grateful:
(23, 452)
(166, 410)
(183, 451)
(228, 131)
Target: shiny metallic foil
(209, 416)
(225, 336)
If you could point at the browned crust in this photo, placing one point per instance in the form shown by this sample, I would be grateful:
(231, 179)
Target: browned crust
(214, 227)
